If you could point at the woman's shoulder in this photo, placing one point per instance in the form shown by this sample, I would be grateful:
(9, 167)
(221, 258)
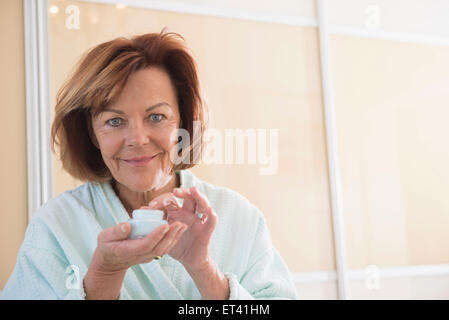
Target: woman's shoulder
(68, 201)
(62, 218)
(66, 206)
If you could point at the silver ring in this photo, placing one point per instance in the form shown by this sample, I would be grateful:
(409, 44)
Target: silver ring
(199, 215)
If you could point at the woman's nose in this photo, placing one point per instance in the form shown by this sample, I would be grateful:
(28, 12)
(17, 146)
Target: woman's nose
(137, 135)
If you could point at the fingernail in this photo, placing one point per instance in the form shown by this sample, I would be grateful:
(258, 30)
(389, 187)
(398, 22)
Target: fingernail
(166, 230)
(123, 228)
(153, 203)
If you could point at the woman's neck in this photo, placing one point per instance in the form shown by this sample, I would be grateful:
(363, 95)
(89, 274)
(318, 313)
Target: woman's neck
(132, 200)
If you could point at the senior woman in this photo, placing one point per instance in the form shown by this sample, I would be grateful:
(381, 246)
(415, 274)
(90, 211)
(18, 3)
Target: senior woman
(115, 122)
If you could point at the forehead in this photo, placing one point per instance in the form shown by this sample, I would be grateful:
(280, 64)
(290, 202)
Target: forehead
(145, 88)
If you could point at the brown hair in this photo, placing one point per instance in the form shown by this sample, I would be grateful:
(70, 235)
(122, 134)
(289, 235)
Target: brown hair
(99, 79)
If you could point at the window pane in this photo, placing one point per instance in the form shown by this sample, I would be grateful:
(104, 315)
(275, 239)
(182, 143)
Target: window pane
(392, 110)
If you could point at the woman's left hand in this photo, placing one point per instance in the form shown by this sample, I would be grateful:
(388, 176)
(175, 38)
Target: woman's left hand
(192, 249)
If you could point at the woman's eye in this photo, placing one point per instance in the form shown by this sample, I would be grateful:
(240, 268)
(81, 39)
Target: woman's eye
(114, 122)
(157, 117)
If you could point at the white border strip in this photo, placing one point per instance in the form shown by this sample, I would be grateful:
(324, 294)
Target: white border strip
(384, 273)
(220, 12)
(388, 35)
(40, 183)
(332, 151)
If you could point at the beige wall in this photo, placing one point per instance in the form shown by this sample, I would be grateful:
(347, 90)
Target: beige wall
(392, 103)
(13, 168)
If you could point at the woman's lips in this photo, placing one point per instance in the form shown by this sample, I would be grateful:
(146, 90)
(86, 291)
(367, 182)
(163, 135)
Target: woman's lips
(139, 163)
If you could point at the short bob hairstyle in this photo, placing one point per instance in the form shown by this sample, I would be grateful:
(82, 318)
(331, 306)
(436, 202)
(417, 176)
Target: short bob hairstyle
(98, 80)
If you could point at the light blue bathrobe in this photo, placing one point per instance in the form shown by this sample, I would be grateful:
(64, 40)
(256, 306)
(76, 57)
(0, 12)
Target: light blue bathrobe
(62, 236)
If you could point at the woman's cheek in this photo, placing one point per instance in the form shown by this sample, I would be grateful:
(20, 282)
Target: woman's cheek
(165, 137)
(109, 144)
(167, 146)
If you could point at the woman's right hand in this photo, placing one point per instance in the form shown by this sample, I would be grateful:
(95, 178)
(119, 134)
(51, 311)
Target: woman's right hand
(115, 253)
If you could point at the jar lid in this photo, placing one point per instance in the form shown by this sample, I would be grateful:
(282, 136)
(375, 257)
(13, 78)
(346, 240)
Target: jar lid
(148, 214)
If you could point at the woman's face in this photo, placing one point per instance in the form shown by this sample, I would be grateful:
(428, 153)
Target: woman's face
(140, 124)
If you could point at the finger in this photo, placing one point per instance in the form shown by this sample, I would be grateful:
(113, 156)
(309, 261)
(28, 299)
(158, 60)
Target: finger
(165, 202)
(180, 215)
(170, 240)
(211, 220)
(171, 202)
(148, 242)
(119, 232)
(177, 239)
(202, 204)
(189, 201)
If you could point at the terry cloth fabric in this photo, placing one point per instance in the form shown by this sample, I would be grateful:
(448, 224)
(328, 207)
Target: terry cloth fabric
(62, 237)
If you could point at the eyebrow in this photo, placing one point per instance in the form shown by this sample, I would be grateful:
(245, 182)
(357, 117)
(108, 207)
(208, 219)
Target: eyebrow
(147, 109)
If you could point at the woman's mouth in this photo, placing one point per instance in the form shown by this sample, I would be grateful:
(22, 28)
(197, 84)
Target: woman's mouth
(140, 163)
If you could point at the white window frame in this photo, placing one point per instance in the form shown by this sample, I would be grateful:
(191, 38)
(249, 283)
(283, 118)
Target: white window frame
(39, 155)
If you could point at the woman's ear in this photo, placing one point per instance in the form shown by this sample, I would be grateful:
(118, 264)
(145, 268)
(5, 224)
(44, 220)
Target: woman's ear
(91, 132)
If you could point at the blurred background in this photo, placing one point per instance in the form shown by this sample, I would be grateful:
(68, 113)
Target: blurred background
(359, 91)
